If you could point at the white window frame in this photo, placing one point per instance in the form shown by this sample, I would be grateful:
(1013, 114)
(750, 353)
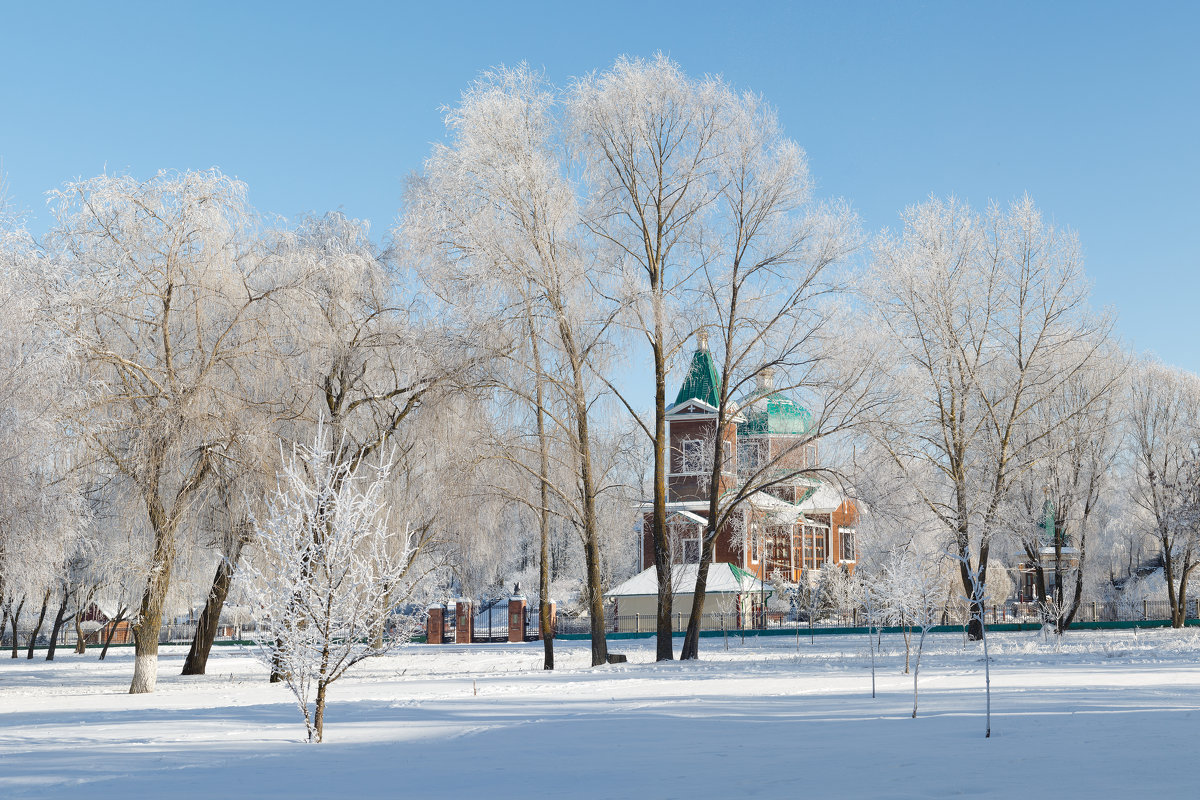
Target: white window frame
(844, 535)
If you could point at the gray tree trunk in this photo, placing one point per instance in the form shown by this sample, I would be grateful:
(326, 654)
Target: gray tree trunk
(14, 618)
(38, 626)
(59, 619)
(206, 626)
(112, 630)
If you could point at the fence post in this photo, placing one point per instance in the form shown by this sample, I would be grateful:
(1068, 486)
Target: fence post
(637, 623)
(516, 618)
(1145, 612)
(434, 628)
(464, 628)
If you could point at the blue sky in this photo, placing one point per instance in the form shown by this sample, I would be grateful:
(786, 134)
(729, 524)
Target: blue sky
(1093, 108)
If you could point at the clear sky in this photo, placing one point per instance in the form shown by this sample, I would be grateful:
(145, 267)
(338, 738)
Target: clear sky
(1093, 108)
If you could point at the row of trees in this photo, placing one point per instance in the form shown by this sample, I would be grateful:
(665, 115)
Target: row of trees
(167, 345)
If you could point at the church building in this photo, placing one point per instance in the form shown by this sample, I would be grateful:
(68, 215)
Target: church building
(790, 530)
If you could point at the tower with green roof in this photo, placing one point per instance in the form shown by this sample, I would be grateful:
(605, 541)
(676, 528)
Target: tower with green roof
(703, 381)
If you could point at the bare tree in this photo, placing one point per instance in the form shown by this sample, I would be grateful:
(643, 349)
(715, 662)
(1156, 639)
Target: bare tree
(1055, 502)
(1164, 437)
(913, 588)
(648, 137)
(328, 569)
(988, 316)
(770, 291)
(497, 209)
(162, 277)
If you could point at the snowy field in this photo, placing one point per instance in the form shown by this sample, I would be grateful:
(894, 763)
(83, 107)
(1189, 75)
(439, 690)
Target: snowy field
(1107, 713)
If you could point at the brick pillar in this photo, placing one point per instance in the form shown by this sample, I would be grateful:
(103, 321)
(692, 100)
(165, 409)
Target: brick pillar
(553, 614)
(435, 625)
(464, 624)
(516, 618)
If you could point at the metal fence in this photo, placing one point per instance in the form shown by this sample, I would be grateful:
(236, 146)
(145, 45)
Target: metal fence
(491, 625)
(182, 633)
(1088, 611)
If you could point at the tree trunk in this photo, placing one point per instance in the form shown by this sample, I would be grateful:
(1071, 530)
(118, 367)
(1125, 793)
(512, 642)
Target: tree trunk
(206, 626)
(112, 630)
(665, 649)
(38, 627)
(14, 618)
(917, 670)
(150, 613)
(544, 511)
(80, 639)
(1179, 610)
(277, 675)
(975, 608)
(691, 640)
(318, 728)
(587, 482)
(591, 537)
(59, 619)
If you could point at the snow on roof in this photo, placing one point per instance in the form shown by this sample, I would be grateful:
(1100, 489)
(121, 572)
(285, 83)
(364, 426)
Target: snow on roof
(695, 402)
(780, 512)
(688, 515)
(723, 578)
(685, 507)
(824, 500)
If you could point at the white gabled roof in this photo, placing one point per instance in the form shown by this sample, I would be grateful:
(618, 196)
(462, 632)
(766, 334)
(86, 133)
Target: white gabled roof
(688, 515)
(700, 405)
(690, 506)
(723, 578)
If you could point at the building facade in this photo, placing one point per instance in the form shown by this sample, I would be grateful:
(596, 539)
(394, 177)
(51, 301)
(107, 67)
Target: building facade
(792, 528)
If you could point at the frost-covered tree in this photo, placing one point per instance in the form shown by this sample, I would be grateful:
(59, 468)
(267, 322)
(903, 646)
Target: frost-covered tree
(770, 292)
(988, 316)
(912, 585)
(327, 573)
(647, 137)
(162, 277)
(1164, 443)
(1057, 502)
(499, 220)
(42, 511)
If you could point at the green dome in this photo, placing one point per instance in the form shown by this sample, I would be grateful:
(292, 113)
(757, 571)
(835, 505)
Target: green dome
(772, 413)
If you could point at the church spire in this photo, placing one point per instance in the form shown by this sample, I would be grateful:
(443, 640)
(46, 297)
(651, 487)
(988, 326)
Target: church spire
(702, 380)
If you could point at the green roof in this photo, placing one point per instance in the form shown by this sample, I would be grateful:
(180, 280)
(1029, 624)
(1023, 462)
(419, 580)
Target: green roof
(702, 380)
(773, 414)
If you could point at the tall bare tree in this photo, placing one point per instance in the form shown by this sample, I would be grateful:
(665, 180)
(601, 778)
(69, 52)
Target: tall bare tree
(648, 136)
(1072, 470)
(497, 207)
(988, 316)
(163, 276)
(770, 290)
(1164, 437)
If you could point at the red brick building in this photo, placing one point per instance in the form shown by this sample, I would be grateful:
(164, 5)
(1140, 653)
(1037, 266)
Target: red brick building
(795, 528)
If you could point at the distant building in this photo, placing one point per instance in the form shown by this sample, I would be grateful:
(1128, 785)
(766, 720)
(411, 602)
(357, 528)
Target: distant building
(791, 530)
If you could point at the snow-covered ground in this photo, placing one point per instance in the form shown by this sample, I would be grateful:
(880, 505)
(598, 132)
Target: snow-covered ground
(1106, 713)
